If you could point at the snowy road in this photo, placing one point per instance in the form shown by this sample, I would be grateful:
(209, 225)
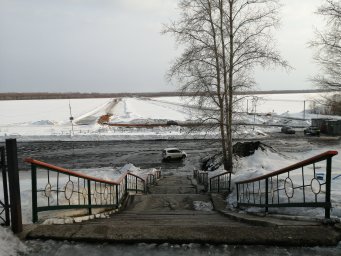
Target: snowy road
(92, 154)
(147, 154)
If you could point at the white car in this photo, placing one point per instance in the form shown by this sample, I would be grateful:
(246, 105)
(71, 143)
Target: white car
(173, 153)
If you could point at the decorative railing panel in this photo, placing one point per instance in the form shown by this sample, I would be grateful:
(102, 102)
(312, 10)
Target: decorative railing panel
(4, 202)
(221, 182)
(58, 188)
(305, 184)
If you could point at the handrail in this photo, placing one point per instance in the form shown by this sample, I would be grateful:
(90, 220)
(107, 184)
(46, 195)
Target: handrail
(297, 185)
(72, 190)
(311, 160)
(67, 171)
(221, 174)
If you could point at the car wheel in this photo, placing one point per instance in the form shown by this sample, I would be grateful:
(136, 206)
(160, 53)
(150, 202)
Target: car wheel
(168, 158)
(183, 157)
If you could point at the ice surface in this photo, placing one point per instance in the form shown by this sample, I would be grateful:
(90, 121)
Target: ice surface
(49, 119)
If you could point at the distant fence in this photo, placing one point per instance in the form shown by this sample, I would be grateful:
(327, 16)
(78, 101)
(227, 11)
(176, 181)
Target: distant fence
(300, 185)
(60, 188)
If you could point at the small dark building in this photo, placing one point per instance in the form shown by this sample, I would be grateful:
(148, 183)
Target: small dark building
(327, 126)
(321, 123)
(333, 127)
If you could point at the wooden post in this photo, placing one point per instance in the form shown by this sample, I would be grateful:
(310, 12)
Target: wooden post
(14, 185)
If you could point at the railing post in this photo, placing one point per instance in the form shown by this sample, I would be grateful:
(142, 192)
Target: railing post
(4, 180)
(126, 185)
(135, 184)
(266, 195)
(89, 197)
(237, 187)
(14, 188)
(328, 188)
(229, 189)
(34, 193)
(116, 188)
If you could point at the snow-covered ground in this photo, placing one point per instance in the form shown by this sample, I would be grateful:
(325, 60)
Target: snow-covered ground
(49, 120)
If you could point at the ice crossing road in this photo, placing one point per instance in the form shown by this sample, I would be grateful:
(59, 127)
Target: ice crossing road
(144, 153)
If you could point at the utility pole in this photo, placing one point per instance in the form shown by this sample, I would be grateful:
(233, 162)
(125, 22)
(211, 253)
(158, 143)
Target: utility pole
(304, 109)
(71, 120)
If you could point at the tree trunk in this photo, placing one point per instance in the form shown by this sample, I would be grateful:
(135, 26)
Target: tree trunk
(230, 93)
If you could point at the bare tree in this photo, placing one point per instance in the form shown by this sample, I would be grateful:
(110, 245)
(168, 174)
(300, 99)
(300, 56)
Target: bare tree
(328, 46)
(223, 41)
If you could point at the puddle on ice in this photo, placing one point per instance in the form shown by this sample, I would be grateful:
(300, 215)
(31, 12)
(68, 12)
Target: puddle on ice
(53, 248)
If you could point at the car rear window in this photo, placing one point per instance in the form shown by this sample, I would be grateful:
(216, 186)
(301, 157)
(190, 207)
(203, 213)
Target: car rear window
(173, 151)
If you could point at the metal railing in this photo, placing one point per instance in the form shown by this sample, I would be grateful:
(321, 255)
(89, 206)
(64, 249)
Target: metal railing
(153, 177)
(298, 185)
(221, 183)
(4, 204)
(201, 177)
(10, 203)
(58, 188)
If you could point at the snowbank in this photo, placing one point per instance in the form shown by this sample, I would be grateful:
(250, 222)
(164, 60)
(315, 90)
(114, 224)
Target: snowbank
(10, 245)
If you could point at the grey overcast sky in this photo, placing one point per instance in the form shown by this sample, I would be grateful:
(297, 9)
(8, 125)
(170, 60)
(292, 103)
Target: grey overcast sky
(116, 46)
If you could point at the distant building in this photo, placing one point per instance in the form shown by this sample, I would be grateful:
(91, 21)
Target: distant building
(321, 123)
(328, 126)
(333, 127)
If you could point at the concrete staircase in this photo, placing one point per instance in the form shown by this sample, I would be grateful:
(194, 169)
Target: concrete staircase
(173, 201)
(168, 214)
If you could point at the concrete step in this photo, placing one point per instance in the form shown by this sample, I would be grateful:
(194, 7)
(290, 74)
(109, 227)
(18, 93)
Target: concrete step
(167, 219)
(172, 189)
(174, 180)
(165, 202)
(200, 233)
(173, 185)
